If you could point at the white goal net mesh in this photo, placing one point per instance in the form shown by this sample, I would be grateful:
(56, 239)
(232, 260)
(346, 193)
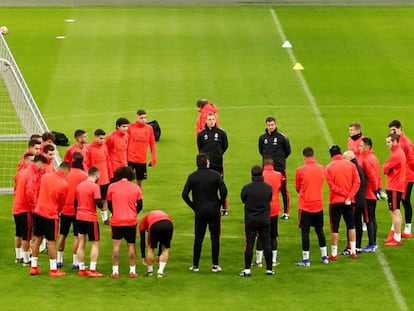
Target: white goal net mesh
(19, 117)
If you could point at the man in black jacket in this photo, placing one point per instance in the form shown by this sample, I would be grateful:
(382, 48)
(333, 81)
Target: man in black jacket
(274, 143)
(256, 197)
(204, 185)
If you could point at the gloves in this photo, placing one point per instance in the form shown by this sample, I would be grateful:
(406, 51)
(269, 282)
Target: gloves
(224, 212)
(378, 193)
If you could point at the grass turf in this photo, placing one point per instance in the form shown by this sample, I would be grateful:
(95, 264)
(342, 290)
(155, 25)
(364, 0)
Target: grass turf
(116, 60)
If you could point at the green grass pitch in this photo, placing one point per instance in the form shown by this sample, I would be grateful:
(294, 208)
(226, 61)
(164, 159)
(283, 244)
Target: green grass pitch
(114, 60)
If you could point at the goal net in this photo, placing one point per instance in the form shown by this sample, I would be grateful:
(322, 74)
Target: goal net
(19, 118)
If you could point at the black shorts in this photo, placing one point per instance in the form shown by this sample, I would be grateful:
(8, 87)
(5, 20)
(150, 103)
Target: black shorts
(394, 199)
(129, 233)
(65, 222)
(90, 228)
(140, 170)
(160, 233)
(336, 211)
(23, 223)
(46, 227)
(308, 219)
(104, 191)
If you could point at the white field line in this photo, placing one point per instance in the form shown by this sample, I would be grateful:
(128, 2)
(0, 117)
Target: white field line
(380, 256)
(303, 82)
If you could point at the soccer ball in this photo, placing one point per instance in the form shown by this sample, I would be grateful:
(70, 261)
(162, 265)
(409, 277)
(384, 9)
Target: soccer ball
(4, 30)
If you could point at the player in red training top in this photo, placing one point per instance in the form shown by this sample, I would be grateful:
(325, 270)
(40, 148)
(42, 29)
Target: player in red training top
(204, 108)
(52, 196)
(354, 139)
(88, 196)
(68, 214)
(141, 135)
(34, 146)
(124, 202)
(49, 153)
(395, 126)
(395, 169)
(98, 156)
(27, 160)
(160, 231)
(371, 167)
(25, 197)
(309, 185)
(343, 180)
(274, 179)
(81, 145)
(117, 144)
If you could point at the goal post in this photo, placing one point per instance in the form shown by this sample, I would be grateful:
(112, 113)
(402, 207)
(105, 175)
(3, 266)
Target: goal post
(19, 119)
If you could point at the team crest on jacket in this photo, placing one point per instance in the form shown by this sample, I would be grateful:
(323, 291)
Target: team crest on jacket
(275, 141)
(205, 136)
(216, 136)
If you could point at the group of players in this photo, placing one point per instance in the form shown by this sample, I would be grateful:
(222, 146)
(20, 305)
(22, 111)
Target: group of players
(92, 176)
(101, 174)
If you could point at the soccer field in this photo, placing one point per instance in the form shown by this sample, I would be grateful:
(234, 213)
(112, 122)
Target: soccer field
(114, 60)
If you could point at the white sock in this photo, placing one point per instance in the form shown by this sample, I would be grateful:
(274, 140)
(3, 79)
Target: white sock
(132, 269)
(274, 256)
(150, 268)
(353, 247)
(161, 267)
(247, 271)
(52, 263)
(397, 236)
(18, 251)
(34, 262)
(324, 251)
(82, 266)
(104, 215)
(92, 266)
(60, 256)
(407, 228)
(334, 250)
(305, 255)
(26, 256)
(75, 259)
(392, 227)
(43, 244)
(115, 269)
(259, 256)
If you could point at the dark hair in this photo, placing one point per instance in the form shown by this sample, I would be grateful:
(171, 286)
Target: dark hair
(64, 166)
(394, 137)
(141, 112)
(33, 141)
(121, 121)
(40, 158)
(395, 123)
(124, 172)
(367, 141)
(202, 160)
(79, 133)
(48, 147)
(77, 160)
(257, 170)
(93, 170)
(27, 155)
(38, 137)
(270, 119)
(202, 102)
(268, 159)
(334, 150)
(308, 152)
(99, 132)
(48, 136)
